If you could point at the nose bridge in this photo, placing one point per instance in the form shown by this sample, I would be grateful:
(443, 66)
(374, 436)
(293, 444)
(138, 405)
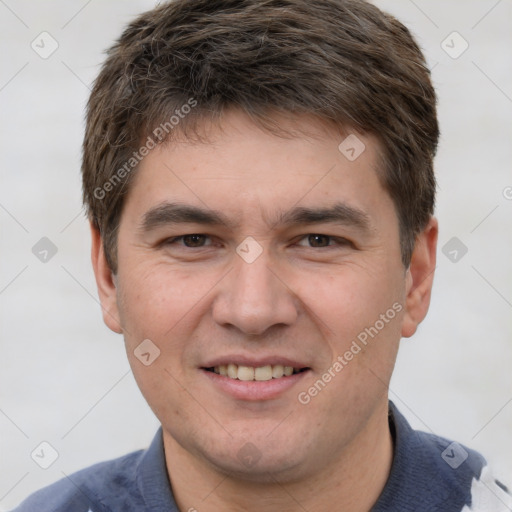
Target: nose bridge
(253, 298)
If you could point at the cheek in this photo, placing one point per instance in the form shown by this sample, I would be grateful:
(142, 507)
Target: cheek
(156, 300)
(352, 299)
(153, 308)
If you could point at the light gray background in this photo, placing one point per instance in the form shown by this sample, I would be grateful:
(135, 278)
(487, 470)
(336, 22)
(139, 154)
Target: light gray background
(64, 377)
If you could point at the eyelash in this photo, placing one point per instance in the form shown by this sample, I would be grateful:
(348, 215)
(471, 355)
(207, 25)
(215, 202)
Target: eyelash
(339, 240)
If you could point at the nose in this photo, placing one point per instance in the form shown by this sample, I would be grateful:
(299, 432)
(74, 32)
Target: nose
(253, 298)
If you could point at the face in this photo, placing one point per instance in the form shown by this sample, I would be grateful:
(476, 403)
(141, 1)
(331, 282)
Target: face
(259, 256)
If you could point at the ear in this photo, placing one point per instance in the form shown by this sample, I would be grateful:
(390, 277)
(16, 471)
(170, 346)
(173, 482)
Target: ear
(105, 282)
(419, 278)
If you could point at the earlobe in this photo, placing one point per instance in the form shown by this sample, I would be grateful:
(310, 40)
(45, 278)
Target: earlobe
(420, 278)
(105, 282)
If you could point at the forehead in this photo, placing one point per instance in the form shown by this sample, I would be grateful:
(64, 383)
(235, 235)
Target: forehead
(239, 168)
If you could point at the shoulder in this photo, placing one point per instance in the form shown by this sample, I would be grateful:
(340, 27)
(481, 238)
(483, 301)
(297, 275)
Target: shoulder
(489, 494)
(87, 490)
(431, 473)
(460, 477)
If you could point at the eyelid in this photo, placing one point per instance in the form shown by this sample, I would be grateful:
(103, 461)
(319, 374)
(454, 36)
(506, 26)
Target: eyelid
(174, 239)
(340, 241)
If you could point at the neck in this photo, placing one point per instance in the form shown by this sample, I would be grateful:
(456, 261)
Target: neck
(352, 480)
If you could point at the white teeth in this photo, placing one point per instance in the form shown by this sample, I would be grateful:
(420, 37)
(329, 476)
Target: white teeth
(245, 373)
(277, 371)
(248, 373)
(232, 371)
(263, 373)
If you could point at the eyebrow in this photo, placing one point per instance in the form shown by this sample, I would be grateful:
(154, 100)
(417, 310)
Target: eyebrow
(339, 213)
(168, 213)
(174, 213)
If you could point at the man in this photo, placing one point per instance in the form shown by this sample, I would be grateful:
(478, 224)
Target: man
(259, 181)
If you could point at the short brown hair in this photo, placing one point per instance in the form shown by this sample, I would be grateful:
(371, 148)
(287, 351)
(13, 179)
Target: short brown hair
(343, 61)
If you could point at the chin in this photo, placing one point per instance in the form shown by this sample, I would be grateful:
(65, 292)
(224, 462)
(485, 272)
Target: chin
(262, 472)
(259, 462)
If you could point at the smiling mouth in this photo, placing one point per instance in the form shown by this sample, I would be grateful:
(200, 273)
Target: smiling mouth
(260, 373)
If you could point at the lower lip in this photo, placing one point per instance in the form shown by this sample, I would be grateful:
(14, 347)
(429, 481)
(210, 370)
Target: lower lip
(254, 390)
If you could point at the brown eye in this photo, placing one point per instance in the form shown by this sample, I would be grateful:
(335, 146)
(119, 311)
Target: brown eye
(194, 240)
(319, 240)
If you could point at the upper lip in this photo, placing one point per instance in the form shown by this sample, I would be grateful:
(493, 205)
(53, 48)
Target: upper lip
(244, 360)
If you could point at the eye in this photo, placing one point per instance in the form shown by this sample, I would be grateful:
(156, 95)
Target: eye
(318, 240)
(193, 240)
